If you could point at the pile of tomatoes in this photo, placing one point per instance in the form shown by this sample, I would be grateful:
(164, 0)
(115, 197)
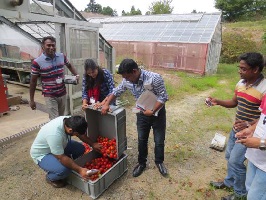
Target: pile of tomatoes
(108, 159)
(108, 147)
(102, 164)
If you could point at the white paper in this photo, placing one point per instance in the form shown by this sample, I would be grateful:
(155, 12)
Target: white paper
(218, 142)
(147, 100)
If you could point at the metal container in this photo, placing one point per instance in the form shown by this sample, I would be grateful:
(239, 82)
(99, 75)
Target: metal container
(112, 125)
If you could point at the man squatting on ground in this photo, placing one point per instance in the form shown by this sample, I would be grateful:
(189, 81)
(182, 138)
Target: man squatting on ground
(50, 67)
(53, 149)
(137, 81)
(247, 98)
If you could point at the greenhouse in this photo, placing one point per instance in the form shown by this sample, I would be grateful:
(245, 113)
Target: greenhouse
(23, 24)
(188, 42)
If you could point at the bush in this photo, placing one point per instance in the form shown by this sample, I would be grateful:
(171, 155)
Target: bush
(235, 44)
(263, 47)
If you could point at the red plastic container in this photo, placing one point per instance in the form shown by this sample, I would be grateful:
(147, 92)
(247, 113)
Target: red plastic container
(3, 100)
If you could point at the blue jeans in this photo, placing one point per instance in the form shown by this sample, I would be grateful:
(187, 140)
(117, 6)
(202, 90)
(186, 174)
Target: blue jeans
(144, 125)
(54, 168)
(236, 170)
(255, 183)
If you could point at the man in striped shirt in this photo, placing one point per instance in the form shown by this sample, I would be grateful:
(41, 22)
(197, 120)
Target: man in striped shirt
(138, 81)
(50, 67)
(247, 98)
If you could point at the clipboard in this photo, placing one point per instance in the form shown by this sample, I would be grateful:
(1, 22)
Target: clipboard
(146, 101)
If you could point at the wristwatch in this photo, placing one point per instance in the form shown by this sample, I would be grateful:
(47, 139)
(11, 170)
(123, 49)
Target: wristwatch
(262, 145)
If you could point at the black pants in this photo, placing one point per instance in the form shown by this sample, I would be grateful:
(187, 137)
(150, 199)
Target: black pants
(158, 124)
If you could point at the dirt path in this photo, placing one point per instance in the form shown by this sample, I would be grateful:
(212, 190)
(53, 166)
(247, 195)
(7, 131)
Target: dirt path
(190, 167)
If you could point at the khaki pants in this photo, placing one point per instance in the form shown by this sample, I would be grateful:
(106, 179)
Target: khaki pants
(55, 106)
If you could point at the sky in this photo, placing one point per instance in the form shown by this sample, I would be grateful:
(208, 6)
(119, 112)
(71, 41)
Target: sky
(180, 6)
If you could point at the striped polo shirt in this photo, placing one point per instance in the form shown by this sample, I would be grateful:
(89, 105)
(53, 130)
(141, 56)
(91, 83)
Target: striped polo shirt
(49, 70)
(147, 81)
(249, 99)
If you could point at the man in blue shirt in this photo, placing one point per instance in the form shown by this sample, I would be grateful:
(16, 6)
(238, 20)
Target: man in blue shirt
(138, 81)
(54, 151)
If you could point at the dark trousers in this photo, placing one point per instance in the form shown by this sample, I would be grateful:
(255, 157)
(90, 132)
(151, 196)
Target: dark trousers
(144, 125)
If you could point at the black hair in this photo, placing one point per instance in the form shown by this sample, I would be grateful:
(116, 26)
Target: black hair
(253, 59)
(90, 82)
(48, 38)
(77, 123)
(126, 66)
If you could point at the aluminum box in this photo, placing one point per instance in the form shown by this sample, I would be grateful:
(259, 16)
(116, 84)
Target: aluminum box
(95, 188)
(112, 125)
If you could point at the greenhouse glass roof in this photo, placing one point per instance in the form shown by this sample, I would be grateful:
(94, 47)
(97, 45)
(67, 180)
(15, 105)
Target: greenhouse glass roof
(38, 29)
(182, 28)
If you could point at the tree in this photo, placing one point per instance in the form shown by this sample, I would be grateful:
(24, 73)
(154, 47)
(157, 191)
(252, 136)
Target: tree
(109, 11)
(93, 7)
(234, 10)
(133, 11)
(161, 7)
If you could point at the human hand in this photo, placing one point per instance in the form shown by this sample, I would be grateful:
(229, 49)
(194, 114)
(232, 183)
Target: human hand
(251, 142)
(147, 112)
(247, 132)
(84, 106)
(85, 175)
(105, 109)
(209, 101)
(240, 124)
(97, 105)
(97, 147)
(33, 105)
(77, 78)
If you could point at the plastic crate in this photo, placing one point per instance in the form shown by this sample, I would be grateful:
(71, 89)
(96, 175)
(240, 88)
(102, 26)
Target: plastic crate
(95, 188)
(112, 125)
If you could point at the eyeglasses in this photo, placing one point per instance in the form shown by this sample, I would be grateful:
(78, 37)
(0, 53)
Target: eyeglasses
(243, 69)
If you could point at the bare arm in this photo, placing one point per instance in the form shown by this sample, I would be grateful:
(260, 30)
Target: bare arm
(96, 146)
(224, 103)
(69, 163)
(252, 142)
(73, 70)
(247, 132)
(84, 104)
(105, 107)
(242, 124)
(156, 107)
(33, 84)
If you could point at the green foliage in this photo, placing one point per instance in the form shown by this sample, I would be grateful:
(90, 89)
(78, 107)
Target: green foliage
(235, 44)
(109, 11)
(252, 25)
(190, 83)
(93, 7)
(263, 47)
(133, 11)
(264, 37)
(161, 7)
(234, 10)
